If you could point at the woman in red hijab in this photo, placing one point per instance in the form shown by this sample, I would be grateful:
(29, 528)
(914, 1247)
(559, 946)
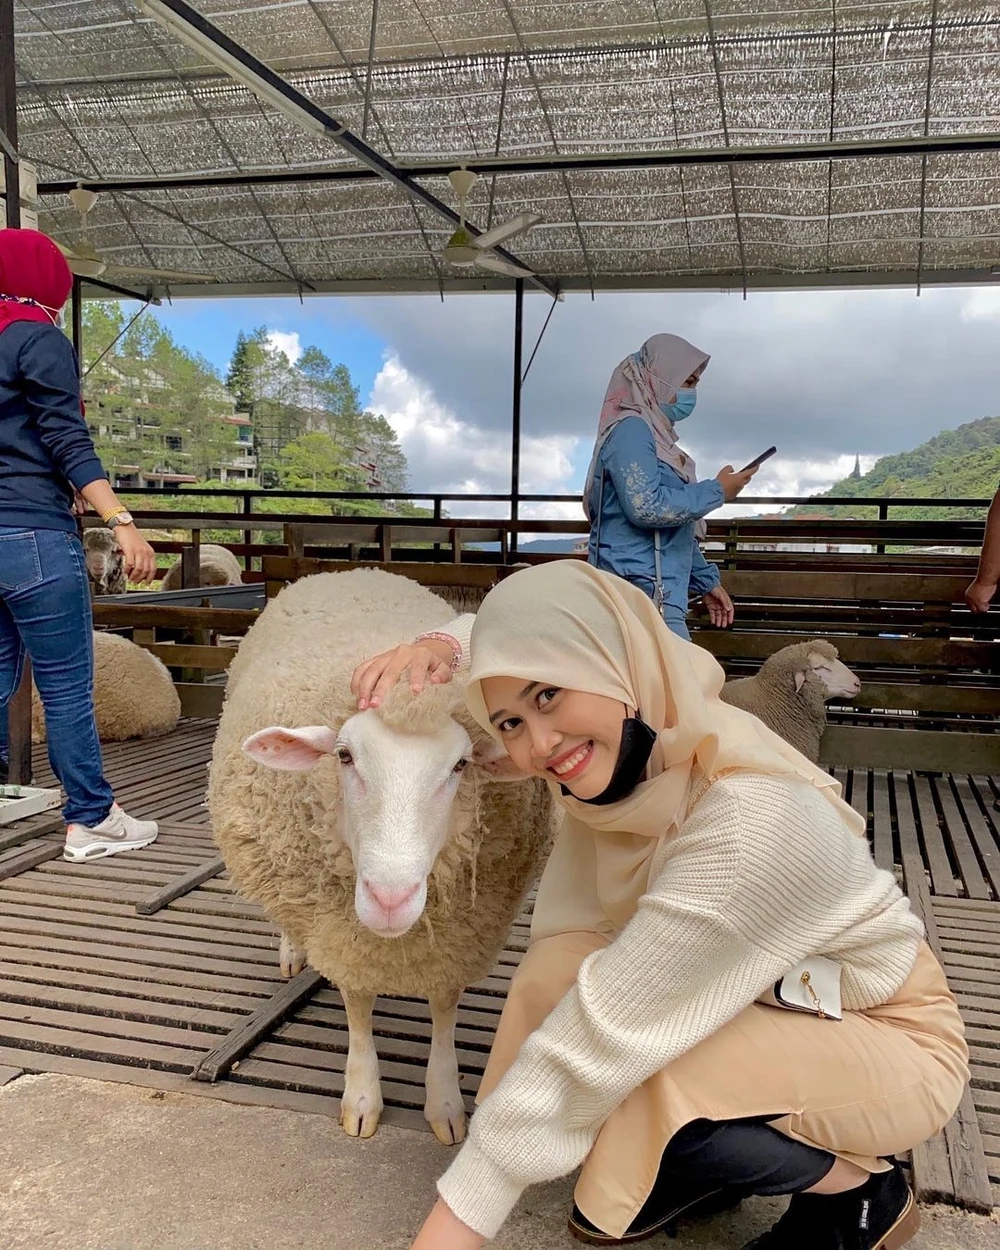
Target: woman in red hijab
(46, 456)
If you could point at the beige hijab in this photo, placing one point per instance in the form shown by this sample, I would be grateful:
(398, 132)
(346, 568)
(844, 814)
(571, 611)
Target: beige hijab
(574, 626)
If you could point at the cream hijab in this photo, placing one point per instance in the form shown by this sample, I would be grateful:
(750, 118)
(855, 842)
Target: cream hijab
(571, 625)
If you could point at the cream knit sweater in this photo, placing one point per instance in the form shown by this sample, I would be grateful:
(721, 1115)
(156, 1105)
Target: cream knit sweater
(762, 875)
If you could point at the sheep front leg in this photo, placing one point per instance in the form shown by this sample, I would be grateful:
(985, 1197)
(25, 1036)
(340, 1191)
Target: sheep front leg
(444, 1109)
(291, 958)
(361, 1105)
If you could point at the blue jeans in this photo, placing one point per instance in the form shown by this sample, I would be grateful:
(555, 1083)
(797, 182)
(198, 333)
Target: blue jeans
(45, 612)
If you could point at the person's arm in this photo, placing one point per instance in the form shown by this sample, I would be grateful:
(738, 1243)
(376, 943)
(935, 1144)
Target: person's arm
(631, 464)
(738, 903)
(705, 576)
(981, 592)
(425, 660)
(706, 581)
(48, 369)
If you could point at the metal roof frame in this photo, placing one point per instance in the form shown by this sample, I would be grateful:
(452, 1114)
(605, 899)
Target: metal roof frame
(701, 145)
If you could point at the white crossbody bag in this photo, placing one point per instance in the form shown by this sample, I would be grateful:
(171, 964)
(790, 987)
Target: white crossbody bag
(813, 986)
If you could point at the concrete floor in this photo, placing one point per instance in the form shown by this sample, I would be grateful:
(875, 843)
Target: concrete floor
(86, 1165)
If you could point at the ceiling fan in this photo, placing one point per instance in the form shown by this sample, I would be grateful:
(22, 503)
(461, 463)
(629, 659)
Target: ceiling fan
(470, 251)
(86, 262)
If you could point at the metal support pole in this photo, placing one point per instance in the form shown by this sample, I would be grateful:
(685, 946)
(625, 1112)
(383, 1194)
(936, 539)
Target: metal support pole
(8, 114)
(19, 707)
(76, 312)
(515, 448)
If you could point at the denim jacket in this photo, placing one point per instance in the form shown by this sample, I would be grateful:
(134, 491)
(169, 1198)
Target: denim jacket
(644, 516)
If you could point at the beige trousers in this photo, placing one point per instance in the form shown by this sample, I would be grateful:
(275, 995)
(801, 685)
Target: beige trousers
(874, 1084)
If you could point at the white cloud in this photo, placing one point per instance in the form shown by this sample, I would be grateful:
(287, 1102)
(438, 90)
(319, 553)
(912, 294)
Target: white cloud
(981, 304)
(448, 454)
(287, 342)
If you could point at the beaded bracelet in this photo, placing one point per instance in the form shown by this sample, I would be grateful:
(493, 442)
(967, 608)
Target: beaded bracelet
(455, 645)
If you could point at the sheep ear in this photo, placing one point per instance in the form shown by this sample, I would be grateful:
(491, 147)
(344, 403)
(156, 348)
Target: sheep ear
(800, 680)
(494, 761)
(291, 750)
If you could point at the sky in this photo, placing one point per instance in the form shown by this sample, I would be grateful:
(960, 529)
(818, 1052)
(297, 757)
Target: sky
(824, 376)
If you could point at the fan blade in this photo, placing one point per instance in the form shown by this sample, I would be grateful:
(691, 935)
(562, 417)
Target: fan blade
(506, 230)
(497, 265)
(167, 275)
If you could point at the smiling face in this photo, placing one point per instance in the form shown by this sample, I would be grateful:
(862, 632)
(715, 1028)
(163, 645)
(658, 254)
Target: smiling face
(562, 735)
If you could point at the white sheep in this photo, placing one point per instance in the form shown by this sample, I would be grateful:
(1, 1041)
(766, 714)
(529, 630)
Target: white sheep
(105, 564)
(385, 849)
(134, 696)
(790, 689)
(217, 567)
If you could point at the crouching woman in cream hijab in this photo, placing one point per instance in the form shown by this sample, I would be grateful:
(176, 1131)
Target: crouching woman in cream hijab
(702, 860)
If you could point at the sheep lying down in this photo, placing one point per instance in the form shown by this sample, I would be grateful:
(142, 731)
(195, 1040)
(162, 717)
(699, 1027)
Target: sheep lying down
(391, 846)
(134, 694)
(217, 566)
(790, 690)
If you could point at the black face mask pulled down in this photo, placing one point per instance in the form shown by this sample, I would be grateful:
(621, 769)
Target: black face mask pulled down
(638, 740)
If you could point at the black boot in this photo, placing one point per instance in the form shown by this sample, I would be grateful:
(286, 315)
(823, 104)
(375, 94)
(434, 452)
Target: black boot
(671, 1201)
(880, 1215)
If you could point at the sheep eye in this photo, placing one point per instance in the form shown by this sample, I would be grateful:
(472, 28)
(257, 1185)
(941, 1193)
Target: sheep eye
(461, 766)
(344, 755)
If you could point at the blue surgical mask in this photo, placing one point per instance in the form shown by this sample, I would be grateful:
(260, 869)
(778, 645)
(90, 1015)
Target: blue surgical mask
(682, 406)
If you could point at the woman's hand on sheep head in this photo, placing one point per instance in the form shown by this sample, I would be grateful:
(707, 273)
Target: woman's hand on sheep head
(443, 1230)
(429, 660)
(720, 607)
(140, 558)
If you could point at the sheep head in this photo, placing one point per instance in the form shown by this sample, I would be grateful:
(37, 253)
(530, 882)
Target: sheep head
(103, 558)
(409, 774)
(824, 663)
(815, 665)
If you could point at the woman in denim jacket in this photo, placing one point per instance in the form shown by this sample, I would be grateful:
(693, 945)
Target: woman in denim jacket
(642, 498)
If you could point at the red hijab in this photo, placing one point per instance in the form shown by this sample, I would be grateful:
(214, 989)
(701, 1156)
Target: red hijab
(35, 280)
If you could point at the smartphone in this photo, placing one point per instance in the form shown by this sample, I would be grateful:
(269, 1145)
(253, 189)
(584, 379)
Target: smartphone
(755, 464)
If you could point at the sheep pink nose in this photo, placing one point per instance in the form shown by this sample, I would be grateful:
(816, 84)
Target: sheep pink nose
(388, 899)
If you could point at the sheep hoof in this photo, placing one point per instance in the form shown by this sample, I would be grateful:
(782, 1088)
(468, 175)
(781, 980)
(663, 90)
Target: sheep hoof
(358, 1118)
(292, 959)
(448, 1124)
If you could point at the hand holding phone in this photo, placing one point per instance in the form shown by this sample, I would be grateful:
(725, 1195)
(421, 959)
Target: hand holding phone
(756, 463)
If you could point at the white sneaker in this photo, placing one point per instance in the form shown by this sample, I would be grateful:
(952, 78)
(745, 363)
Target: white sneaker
(117, 832)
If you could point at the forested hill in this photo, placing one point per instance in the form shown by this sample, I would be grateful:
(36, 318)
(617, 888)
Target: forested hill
(956, 464)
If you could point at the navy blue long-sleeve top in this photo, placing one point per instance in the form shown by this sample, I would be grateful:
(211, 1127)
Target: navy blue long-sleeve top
(45, 447)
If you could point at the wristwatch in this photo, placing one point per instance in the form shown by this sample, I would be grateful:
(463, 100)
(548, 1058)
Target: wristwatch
(120, 518)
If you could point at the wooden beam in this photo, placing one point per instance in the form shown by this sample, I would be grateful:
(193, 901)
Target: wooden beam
(179, 886)
(184, 655)
(19, 731)
(828, 586)
(285, 568)
(200, 701)
(248, 1032)
(856, 649)
(150, 616)
(916, 750)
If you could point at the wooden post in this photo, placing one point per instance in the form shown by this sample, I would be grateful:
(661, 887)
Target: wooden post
(191, 562)
(19, 707)
(19, 731)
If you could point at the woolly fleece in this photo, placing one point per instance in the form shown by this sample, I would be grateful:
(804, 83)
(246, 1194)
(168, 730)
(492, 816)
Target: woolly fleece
(217, 567)
(134, 695)
(798, 716)
(279, 831)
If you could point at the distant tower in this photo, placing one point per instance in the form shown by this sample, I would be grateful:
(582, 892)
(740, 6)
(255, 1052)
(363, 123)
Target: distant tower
(856, 472)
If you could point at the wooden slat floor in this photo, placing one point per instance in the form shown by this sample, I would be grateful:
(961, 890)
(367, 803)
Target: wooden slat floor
(90, 987)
